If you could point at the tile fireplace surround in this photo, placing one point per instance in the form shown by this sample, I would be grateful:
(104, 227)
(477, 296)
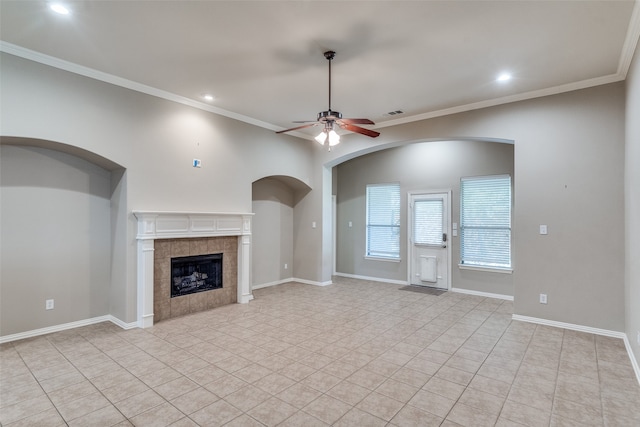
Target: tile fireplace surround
(183, 227)
(166, 306)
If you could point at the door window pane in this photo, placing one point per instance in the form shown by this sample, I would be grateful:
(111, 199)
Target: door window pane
(427, 222)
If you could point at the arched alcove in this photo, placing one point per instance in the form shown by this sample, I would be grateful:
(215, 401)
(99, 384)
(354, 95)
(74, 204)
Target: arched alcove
(87, 155)
(63, 235)
(274, 200)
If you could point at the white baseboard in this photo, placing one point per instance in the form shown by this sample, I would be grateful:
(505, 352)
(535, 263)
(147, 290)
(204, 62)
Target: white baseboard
(311, 282)
(120, 323)
(588, 329)
(373, 279)
(570, 326)
(277, 282)
(66, 326)
(482, 294)
(289, 280)
(634, 362)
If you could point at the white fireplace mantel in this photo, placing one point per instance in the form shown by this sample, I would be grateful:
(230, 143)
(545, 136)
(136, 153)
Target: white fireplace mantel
(181, 225)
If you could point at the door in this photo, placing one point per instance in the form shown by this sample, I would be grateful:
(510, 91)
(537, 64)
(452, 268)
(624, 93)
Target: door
(429, 246)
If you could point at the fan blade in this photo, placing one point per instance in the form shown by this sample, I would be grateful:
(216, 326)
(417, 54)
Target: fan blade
(298, 127)
(356, 121)
(358, 129)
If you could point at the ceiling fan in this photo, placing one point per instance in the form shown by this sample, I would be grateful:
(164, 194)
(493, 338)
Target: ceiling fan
(329, 117)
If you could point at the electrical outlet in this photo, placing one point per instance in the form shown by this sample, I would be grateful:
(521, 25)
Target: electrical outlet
(286, 266)
(543, 298)
(48, 304)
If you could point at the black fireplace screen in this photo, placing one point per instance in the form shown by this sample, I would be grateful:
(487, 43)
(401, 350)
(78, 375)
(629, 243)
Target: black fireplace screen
(191, 274)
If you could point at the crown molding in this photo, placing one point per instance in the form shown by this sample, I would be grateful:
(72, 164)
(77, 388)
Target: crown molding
(630, 42)
(125, 83)
(598, 81)
(626, 56)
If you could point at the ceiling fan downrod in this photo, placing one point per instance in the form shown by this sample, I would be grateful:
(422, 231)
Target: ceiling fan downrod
(329, 117)
(330, 55)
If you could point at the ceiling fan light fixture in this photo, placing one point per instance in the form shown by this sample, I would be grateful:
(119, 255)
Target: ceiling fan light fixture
(321, 138)
(334, 138)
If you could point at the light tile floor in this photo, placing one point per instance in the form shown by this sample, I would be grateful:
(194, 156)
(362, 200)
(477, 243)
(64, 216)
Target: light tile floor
(352, 354)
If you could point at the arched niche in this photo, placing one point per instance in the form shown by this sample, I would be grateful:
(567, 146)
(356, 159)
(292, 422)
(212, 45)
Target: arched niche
(87, 155)
(63, 235)
(274, 201)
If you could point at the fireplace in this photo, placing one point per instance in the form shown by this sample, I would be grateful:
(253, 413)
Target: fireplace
(165, 235)
(182, 264)
(193, 274)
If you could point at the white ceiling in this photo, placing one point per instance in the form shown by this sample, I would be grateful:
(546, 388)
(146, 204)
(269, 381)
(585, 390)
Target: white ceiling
(263, 60)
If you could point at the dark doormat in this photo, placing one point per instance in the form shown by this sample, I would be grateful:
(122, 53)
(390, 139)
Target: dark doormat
(423, 290)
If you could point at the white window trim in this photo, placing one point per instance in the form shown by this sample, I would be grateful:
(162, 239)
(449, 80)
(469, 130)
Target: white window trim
(378, 257)
(488, 269)
(505, 270)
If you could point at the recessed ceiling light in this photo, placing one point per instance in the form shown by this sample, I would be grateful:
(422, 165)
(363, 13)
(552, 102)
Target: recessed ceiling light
(207, 97)
(504, 77)
(58, 8)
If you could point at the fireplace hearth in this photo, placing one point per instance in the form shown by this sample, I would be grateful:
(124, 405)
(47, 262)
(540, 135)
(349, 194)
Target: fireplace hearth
(193, 274)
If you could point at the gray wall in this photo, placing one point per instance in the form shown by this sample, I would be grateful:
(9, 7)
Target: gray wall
(312, 257)
(122, 295)
(569, 152)
(272, 237)
(55, 238)
(632, 206)
(155, 141)
(437, 165)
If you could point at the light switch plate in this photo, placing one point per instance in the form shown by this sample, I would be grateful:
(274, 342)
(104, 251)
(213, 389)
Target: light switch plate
(543, 229)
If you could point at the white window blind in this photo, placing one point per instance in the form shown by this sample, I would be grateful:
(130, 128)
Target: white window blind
(383, 220)
(485, 222)
(427, 222)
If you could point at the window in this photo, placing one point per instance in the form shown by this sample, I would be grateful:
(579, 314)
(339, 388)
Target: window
(427, 222)
(485, 222)
(383, 221)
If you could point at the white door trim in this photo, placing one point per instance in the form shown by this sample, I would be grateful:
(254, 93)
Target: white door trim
(334, 232)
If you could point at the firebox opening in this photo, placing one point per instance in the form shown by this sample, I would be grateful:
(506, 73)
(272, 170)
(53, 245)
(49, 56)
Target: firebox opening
(192, 274)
